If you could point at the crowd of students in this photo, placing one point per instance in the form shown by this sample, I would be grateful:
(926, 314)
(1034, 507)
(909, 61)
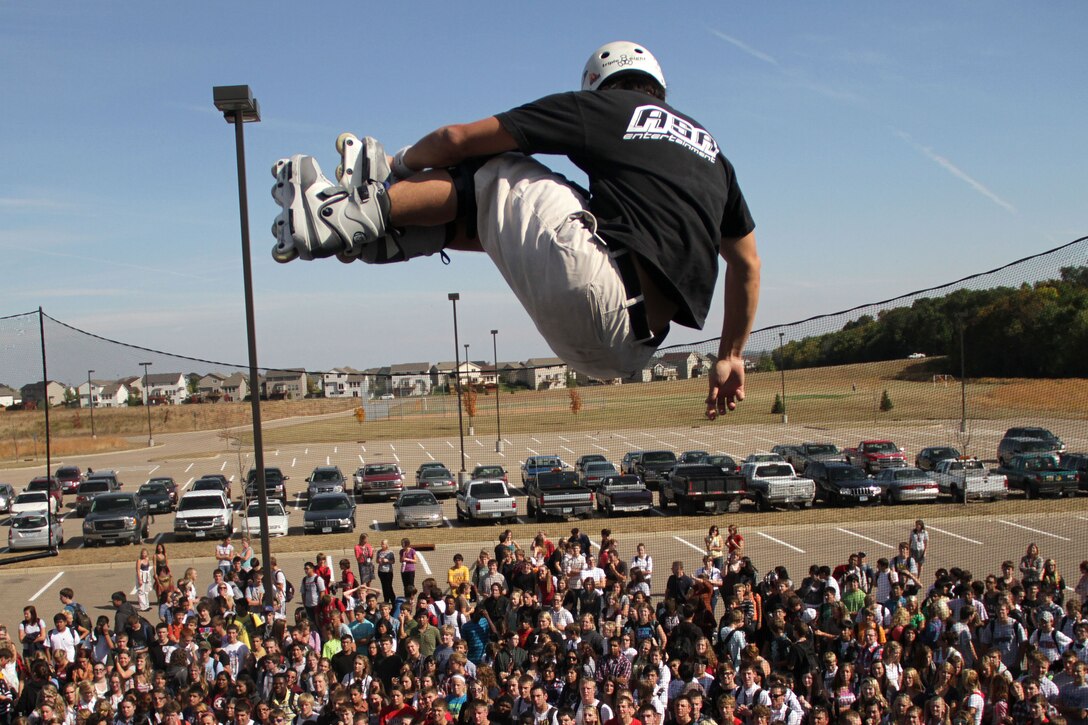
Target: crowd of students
(561, 632)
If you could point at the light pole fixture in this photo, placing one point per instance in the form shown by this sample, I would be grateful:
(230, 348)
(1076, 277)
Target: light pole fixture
(782, 370)
(147, 404)
(453, 297)
(90, 400)
(498, 390)
(240, 107)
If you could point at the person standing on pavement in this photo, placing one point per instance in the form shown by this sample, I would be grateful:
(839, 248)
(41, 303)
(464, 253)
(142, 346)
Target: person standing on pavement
(364, 557)
(407, 565)
(919, 544)
(143, 580)
(386, 559)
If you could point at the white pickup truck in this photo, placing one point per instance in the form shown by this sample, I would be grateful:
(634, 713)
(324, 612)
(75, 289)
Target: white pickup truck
(954, 476)
(203, 515)
(777, 484)
(486, 500)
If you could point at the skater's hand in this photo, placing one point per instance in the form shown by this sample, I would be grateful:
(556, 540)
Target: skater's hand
(726, 381)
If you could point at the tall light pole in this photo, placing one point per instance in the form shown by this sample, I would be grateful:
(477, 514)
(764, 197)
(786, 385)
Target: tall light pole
(240, 107)
(147, 404)
(453, 297)
(498, 390)
(782, 370)
(90, 399)
(963, 378)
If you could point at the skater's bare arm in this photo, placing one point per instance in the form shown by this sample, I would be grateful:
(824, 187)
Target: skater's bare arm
(451, 145)
(726, 379)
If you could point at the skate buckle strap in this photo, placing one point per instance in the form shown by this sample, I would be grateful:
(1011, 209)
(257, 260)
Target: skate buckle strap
(636, 303)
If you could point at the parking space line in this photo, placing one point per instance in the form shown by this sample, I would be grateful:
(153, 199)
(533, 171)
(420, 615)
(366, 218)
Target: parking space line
(700, 549)
(305, 451)
(429, 455)
(293, 462)
(336, 449)
(600, 447)
(854, 533)
(361, 458)
(562, 438)
(363, 447)
(187, 484)
(449, 444)
(223, 467)
(423, 563)
(534, 440)
(190, 467)
(479, 443)
(532, 451)
(954, 536)
(779, 541)
(328, 461)
(50, 583)
(1028, 528)
(567, 450)
(377, 526)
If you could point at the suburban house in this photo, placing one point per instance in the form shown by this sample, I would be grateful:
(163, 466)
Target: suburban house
(442, 373)
(291, 384)
(235, 387)
(34, 392)
(210, 386)
(687, 364)
(111, 395)
(346, 383)
(135, 385)
(170, 388)
(9, 396)
(407, 379)
(544, 373)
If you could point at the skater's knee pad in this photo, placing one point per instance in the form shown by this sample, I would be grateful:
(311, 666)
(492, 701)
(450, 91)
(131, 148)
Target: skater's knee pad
(464, 185)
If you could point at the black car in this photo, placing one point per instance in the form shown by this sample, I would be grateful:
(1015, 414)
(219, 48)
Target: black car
(329, 512)
(842, 484)
(116, 517)
(928, 458)
(1077, 462)
(171, 487)
(1027, 439)
(275, 484)
(727, 463)
(157, 496)
(220, 478)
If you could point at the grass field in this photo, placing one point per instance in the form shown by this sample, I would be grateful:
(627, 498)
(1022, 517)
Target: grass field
(814, 397)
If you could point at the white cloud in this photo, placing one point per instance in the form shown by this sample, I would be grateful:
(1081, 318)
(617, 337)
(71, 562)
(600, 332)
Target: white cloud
(956, 171)
(757, 54)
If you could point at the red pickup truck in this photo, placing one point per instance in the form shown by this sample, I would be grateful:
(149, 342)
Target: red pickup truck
(873, 456)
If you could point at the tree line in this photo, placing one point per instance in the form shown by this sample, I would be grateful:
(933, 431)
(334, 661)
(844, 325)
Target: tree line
(1035, 330)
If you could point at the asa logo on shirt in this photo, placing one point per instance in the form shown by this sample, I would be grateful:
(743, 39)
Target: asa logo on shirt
(654, 123)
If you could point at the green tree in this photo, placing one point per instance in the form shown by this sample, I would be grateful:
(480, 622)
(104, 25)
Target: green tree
(886, 402)
(778, 408)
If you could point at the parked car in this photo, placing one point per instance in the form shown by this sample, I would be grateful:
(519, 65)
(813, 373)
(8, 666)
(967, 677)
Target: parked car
(379, 480)
(428, 466)
(653, 467)
(203, 515)
(900, 485)
(699, 487)
(1012, 446)
(70, 477)
(326, 479)
(763, 458)
(1040, 474)
(7, 496)
(438, 481)
(839, 483)
(279, 519)
(329, 512)
(535, 465)
(558, 493)
(1076, 462)
(928, 458)
(34, 501)
(35, 530)
(105, 474)
(89, 489)
(692, 457)
(775, 483)
(223, 481)
(728, 464)
(120, 517)
(486, 500)
(800, 456)
(623, 494)
(955, 476)
(1038, 433)
(872, 456)
(171, 487)
(583, 461)
(50, 485)
(275, 484)
(157, 497)
(597, 471)
(417, 509)
(491, 472)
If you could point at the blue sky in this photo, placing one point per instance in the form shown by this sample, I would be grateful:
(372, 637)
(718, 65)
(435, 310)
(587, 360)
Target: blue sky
(881, 147)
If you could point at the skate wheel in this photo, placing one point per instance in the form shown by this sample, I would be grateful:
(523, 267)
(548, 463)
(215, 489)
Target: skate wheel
(345, 139)
(340, 173)
(276, 167)
(283, 253)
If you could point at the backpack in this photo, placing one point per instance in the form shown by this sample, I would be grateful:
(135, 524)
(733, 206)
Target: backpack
(289, 591)
(83, 620)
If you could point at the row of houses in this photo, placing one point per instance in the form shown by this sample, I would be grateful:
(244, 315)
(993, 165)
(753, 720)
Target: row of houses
(398, 381)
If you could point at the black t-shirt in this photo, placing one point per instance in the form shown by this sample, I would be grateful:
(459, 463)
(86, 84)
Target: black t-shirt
(658, 182)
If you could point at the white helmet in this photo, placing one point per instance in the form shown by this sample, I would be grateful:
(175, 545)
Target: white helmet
(619, 57)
